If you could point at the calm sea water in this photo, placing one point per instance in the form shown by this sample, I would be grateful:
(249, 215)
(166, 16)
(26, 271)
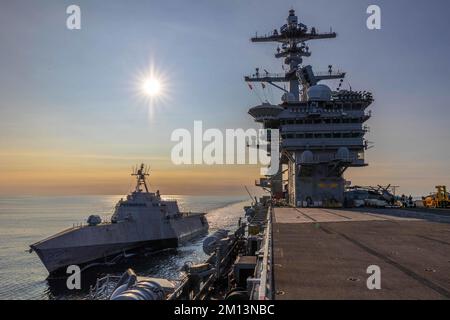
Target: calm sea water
(25, 220)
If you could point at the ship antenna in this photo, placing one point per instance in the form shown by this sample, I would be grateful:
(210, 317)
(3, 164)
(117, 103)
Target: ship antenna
(251, 197)
(140, 175)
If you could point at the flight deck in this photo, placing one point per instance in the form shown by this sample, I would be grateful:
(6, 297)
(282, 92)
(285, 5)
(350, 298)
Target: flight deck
(325, 253)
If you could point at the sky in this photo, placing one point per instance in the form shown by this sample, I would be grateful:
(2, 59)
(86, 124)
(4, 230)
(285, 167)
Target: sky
(72, 120)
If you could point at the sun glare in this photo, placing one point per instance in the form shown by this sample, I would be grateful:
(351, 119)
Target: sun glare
(151, 87)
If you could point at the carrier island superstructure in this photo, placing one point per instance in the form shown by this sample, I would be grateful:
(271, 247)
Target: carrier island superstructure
(323, 252)
(322, 130)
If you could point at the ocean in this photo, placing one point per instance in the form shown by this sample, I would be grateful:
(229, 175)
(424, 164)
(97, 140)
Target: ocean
(27, 219)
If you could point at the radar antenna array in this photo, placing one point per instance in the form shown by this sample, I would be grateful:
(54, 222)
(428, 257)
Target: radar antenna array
(141, 173)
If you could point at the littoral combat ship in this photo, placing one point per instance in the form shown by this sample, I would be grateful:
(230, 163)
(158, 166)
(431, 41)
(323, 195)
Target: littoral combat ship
(142, 220)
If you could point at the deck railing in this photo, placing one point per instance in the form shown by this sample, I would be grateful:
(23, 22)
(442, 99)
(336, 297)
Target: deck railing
(265, 290)
(261, 284)
(103, 287)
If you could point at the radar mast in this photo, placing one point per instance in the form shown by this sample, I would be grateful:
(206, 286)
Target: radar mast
(293, 37)
(141, 173)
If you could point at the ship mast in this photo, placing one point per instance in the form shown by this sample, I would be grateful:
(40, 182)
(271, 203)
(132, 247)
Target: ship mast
(140, 174)
(293, 37)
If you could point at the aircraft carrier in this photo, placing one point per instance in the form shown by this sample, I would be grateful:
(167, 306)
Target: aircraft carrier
(314, 237)
(319, 251)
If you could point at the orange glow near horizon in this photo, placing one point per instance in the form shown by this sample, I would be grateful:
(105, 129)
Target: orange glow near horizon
(46, 179)
(47, 172)
(51, 175)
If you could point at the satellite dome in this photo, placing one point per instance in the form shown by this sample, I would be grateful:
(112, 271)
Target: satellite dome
(319, 92)
(288, 97)
(343, 153)
(94, 220)
(307, 157)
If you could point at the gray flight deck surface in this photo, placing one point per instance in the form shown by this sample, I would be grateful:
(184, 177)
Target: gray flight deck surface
(324, 253)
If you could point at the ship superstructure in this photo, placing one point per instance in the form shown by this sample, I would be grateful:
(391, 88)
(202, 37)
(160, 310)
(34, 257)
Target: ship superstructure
(322, 130)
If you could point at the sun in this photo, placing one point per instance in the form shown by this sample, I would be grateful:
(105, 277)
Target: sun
(151, 87)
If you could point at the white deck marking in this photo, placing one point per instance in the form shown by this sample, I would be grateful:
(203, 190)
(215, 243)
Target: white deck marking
(318, 215)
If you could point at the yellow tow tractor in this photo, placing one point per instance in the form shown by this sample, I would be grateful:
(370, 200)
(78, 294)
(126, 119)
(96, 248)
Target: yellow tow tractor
(438, 200)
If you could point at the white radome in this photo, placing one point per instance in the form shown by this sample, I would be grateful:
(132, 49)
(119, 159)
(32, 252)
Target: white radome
(343, 153)
(319, 92)
(307, 157)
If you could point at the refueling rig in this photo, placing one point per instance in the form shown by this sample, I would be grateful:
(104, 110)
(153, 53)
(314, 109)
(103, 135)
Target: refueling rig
(322, 134)
(238, 268)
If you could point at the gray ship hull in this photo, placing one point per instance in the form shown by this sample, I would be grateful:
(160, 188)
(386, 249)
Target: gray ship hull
(88, 245)
(56, 260)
